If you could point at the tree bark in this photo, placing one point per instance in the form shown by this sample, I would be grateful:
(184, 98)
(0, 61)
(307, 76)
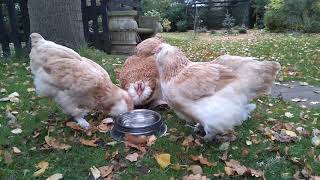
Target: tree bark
(57, 20)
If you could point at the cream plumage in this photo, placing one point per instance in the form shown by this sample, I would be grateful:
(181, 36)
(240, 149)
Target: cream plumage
(76, 83)
(215, 94)
(139, 74)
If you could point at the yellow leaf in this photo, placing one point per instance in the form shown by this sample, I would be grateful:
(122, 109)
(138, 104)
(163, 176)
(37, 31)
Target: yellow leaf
(43, 166)
(56, 176)
(163, 160)
(291, 133)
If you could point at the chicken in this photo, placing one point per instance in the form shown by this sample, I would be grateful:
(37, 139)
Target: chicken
(140, 77)
(76, 83)
(216, 96)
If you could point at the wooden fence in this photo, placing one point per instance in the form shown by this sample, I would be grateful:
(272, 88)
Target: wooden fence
(95, 23)
(14, 25)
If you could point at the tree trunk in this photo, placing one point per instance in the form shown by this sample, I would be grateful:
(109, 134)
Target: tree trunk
(57, 20)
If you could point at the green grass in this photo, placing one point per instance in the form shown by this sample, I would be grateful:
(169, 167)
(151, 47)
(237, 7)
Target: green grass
(296, 53)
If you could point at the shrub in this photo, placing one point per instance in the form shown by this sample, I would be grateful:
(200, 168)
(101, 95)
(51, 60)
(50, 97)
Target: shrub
(166, 24)
(175, 14)
(295, 15)
(275, 20)
(153, 13)
(242, 30)
(182, 26)
(228, 22)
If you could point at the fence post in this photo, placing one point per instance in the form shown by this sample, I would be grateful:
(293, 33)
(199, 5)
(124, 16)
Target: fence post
(4, 36)
(14, 26)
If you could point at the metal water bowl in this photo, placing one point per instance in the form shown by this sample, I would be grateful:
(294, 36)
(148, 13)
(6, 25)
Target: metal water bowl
(138, 122)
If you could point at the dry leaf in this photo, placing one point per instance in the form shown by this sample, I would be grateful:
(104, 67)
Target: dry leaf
(95, 172)
(163, 160)
(105, 170)
(229, 171)
(107, 121)
(196, 169)
(7, 157)
(245, 151)
(233, 166)
(188, 141)
(288, 115)
(195, 177)
(104, 128)
(16, 150)
(16, 131)
(132, 157)
(136, 139)
(42, 166)
(56, 176)
(74, 126)
(202, 160)
(151, 140)
(91, 143)
(291, 133)
(54, 143)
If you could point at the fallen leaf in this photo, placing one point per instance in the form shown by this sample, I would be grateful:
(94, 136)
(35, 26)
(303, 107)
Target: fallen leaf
(13, 97)
(54, 143)
(42, 166)
(291, 133)
(288, 114)
(202, 160)
(107, 121)
(188, 141)
(245, 151)
(315, 141)
(229, 171)
(104, 128)
(151, 140)
(7, 157)
(105, 170)
(74, 126)
(132, 157)
(16, 131)
(233, 166)
(163, 160)
(95, 172)
(176, 167)
(249, 143)
(136, 139)
(16, 150)
(56, 176)
(195, 177)
(91, 143)
(31, 89)
(224, 146)
(196, 169)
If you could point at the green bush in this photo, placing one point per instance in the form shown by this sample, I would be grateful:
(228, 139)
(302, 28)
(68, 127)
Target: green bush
(175, 14)
(153, 13)
(242, 30)
(182, 26)
(293, 15)
(275, 20)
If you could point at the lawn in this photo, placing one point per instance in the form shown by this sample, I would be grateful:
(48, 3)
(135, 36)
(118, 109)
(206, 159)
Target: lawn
(299, 56)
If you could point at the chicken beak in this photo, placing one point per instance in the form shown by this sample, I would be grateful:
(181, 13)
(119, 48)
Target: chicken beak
(139, 92)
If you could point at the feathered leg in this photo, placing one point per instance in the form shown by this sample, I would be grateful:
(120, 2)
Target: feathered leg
(69, 107)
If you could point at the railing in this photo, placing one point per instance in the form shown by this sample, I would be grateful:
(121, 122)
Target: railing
(14, 26)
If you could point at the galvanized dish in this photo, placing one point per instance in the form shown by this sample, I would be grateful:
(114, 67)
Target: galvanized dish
(138, 122)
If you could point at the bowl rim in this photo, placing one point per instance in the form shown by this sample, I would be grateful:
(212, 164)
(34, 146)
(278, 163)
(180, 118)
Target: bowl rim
(138, 110)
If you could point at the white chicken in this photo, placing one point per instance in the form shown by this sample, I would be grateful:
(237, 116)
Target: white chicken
(76, 83)
(216, 96)
(140, 77)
